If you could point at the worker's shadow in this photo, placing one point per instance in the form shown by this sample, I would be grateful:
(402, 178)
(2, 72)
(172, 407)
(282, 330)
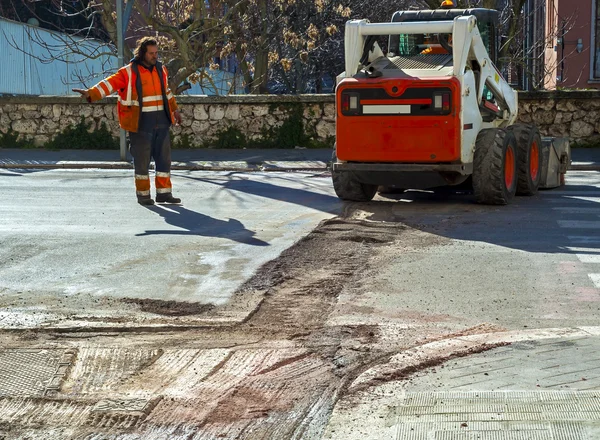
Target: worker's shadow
(194, 223)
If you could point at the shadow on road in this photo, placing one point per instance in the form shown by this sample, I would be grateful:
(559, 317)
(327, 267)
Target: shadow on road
(276, 187)
(193, 223)
(564, 220)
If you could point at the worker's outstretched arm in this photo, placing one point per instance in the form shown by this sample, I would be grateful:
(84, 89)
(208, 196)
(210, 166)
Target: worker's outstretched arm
(105, 87)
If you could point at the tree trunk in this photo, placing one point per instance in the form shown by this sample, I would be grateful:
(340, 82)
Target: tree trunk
(110, 25)
(261, 66)
(244, 68)
(259, 83)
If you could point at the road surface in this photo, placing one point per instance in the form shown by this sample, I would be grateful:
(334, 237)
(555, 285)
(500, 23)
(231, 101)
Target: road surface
(334, 315)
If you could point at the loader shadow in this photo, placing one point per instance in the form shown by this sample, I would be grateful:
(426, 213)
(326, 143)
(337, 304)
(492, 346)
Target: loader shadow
(193, 223)
(549, 222)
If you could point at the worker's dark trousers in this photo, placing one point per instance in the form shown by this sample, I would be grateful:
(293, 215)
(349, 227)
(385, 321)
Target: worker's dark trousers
(152, 141)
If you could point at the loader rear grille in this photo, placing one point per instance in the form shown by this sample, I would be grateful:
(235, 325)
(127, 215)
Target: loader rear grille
(420, 62)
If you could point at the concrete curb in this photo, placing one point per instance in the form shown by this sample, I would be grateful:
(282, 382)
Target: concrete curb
(223, 166)
(68, 165)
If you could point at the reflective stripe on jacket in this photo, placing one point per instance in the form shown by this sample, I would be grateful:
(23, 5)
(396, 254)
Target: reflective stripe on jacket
(125, 83)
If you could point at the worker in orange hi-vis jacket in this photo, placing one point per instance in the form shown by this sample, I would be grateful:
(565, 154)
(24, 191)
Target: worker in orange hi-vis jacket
(146, 109)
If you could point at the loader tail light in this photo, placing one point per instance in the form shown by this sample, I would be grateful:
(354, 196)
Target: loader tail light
(345, 103)
(350, 104)
(445, 102)
(441, 102)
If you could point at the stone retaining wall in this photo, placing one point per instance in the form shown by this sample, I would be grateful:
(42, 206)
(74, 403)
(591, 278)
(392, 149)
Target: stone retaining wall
(572, 114)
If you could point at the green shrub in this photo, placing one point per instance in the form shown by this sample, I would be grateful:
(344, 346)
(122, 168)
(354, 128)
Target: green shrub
(10, 139)
(184, 142)
(291, 133)
(588, 143)
(78, 137)
(231, 137)
(318, 143)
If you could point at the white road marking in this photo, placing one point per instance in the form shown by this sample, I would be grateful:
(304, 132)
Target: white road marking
(583, 239)
(579, 224)
(578, 210)
(589, 258)
(595, 277)
(588, 254)
(571, 198)
(575, 193)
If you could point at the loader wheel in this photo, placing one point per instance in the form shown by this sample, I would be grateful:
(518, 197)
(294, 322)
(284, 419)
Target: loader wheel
(495, 167)
(347, 187)
(386, 189)
(529, 163)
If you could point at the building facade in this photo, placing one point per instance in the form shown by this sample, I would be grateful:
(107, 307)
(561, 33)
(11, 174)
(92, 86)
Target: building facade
(572, 52)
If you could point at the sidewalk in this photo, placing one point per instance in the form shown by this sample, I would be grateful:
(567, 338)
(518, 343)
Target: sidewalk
(537, 385)
(200, 159)
(583, 159)
(214, 160)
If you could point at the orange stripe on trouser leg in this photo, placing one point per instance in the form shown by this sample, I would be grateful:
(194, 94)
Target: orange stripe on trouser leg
(163, 182)
(142, 185)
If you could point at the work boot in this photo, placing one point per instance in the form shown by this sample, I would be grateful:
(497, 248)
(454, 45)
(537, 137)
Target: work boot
(167, 198)
(146, 201)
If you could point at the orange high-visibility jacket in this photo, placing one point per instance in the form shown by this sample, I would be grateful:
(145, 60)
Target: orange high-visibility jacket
(127, 82)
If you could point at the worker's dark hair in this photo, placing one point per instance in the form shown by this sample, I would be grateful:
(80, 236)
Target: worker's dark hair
(142, 47)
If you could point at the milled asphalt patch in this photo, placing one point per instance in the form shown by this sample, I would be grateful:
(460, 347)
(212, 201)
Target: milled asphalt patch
(103, 320)
(540, 384)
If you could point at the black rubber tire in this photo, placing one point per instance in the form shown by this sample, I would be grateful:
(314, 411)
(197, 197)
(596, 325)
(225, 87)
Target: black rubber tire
(333, 158)
(526, 137)
(386, 189)
(348, 187)
(489, 162)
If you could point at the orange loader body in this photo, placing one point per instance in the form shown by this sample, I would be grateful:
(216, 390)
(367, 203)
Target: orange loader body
(419, 135)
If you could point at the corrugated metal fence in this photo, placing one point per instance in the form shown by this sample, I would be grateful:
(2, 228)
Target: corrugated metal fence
(36, 61)
(226, 83)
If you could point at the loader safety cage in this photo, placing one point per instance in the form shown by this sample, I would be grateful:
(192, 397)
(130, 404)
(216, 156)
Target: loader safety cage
(408, 44)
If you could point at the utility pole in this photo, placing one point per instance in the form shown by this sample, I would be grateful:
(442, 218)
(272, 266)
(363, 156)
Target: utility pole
(120, 38)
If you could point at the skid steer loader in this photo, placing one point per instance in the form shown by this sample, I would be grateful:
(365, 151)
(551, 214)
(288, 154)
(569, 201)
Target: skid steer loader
(435, 111)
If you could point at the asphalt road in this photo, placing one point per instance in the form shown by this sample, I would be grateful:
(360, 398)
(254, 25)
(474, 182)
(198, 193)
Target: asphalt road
(534, 263)
(351, 312)
(524, 278)
(72, 243)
